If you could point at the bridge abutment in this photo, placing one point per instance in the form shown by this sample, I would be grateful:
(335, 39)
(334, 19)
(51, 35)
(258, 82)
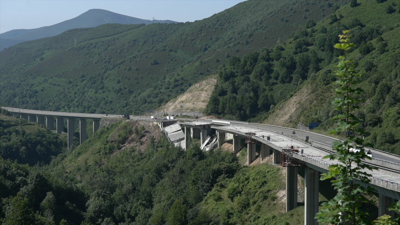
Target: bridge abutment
(311, 196)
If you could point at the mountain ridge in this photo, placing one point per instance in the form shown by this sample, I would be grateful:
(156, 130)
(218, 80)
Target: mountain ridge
(90, 18)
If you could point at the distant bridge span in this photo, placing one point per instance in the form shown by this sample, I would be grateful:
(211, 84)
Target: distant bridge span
(55, 120)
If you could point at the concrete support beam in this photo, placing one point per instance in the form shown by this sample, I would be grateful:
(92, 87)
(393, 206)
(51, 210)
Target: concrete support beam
(384, 203)
(291, 188)
(60, 125)
(31, 118)
(82, 130)
(50, 122)
(187, 137)
(203, 135)
(192, 132)
(311, 196)
(70, 132)
(236, 143)
(221, 138)
(40, 120)
(265, 151)
(251, 152)
(96, 125)
(277, 157)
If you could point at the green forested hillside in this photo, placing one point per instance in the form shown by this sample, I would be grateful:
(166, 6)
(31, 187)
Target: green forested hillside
(91, 18)
(133, 68)
(250, 87)
(27, 143)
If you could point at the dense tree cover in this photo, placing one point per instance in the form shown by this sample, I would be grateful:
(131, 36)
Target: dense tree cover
(134, 68)
(307, 60)
(26, 142)
(160, 185)
(29, 196)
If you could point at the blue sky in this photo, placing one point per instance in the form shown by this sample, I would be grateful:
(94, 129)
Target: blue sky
(28, 14)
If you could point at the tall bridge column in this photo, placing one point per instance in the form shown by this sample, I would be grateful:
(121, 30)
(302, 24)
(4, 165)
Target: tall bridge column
(277, 157)
(96, 125)
(311, 196)
(221, 138)
(59, 125)
(265, 151)
(50, 122)
(70, 132)
(31, 118)
(203, 135)
(291, 188)
(23, 116)
(251, 152)
(384, 203)
(187, 137)
(192, 132)
(40, 120)
(82, 130)
(236, 143)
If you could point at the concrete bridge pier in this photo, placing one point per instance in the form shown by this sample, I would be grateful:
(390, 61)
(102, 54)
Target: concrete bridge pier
(59, 125)
(40, 120)
(311, 196)
(50, 122)
(187, 137)
(251, 152)
(70, 132)
(265, 151)
(221, 138)
(96, 125)
(82, 130)
(203, 135)
(236, 143)
(291, 188)
(192, 132)
(23, 116)
(31, 118)
(384, 204)
(277, 157)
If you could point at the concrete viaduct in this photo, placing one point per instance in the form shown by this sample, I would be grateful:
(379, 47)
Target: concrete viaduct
(55, 121)
(280, 141)
(273, 140)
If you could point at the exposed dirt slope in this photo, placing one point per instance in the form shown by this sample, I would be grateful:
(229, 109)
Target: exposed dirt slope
(193, 101)
(288, 113)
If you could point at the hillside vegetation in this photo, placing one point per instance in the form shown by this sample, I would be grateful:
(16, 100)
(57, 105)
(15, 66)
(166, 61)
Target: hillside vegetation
(128, 173)
(261, 83)
(135, 68)
(27, 143)
(91, 18)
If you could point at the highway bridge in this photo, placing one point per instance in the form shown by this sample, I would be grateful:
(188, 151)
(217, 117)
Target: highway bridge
(273, 140)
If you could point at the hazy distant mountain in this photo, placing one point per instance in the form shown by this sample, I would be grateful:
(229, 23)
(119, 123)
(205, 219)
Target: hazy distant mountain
(91, 18)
